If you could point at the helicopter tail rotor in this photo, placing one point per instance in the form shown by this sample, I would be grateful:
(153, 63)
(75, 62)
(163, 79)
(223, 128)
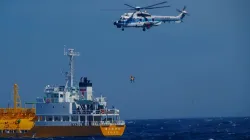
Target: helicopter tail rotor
(183, 11)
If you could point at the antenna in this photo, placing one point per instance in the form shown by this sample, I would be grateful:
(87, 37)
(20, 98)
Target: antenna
(71, 54)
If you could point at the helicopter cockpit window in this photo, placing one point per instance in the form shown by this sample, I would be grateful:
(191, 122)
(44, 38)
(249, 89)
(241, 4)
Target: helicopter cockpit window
(122, 18)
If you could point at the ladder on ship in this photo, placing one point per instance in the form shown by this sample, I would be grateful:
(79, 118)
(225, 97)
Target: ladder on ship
(80, 109)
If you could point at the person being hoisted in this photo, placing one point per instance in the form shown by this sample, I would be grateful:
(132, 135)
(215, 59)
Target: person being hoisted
(132, 79)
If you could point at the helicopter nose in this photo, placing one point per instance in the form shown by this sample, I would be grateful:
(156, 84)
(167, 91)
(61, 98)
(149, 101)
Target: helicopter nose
(114, 23)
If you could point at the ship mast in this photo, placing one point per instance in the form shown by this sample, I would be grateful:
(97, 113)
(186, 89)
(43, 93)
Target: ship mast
(71, 55)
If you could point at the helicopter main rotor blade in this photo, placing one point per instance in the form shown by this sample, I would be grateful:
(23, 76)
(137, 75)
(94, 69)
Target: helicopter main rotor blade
(155, 4)
(184, 8)
(130, 6)
(132, 15)
(156, 7)
(178, 10)
(115, 9)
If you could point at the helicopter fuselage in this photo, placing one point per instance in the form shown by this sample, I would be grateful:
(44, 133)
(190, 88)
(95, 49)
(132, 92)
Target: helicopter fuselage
(145, 20)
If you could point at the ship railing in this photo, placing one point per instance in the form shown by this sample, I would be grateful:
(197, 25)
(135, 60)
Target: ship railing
(95, 123)
(105, 123)
(51, 100)
(84, 123)
(98, 123)
(82, 112)
(120, 122)
(110, 111)
(17, 113)
(17, 110)
(102, 111)
(40, 100)
(51, 89)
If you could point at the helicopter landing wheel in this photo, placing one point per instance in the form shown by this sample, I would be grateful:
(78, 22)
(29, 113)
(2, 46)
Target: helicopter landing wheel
(122, 29)
(144, 29)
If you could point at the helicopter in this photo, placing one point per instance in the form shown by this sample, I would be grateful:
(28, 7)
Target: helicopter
(144, 20)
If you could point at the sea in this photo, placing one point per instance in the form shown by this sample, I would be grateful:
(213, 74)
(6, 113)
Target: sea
(182, 129)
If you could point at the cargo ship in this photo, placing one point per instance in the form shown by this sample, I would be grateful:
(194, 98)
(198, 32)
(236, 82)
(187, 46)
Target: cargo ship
(16, 119)
(71, 110)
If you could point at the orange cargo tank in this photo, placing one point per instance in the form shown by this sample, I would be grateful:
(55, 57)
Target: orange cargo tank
(16, 118)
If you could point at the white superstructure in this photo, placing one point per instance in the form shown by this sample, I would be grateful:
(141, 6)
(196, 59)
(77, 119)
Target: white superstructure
(74, 104)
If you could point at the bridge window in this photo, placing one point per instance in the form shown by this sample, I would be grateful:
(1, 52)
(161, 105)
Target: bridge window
(48, 118)
(82, 118)
(65, 118)
(74, 118)
(42, 118)
(56, 95)
(57, 118)
(61, 88)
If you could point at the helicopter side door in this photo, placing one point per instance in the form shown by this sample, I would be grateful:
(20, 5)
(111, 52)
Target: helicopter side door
(139, 21)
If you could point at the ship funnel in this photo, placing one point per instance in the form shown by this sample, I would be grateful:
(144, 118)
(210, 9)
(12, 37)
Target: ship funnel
(85, 88)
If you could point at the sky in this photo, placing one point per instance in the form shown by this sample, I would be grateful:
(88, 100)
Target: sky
(199, 68)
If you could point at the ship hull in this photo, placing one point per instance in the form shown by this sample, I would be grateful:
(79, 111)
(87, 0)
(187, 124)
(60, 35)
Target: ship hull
(69, 131)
